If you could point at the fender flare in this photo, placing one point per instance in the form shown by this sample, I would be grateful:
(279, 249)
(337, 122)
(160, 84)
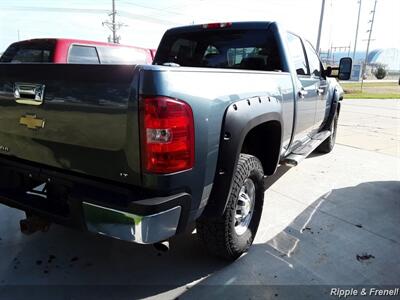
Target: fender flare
(335, 107)
(240, 117)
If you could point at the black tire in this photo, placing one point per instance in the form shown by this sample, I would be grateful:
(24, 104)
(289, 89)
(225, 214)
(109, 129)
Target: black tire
(327, 145)
(219, 235)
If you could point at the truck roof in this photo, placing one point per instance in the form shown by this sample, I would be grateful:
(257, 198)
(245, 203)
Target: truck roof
(234, 25)
(69, 41)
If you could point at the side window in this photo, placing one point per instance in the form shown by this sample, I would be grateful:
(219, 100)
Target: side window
(83, 55)
(313, 60)
(297, 54)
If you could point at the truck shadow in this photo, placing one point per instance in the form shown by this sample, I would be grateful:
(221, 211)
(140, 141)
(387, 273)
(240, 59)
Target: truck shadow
(346, 237)
(329, 242)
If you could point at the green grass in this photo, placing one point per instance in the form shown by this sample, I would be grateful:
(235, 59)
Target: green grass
(371, 90)
(357, 85)
(371, 96)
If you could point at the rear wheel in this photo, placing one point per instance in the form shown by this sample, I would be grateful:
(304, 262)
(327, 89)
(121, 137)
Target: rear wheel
(230, 235)
(327, 145)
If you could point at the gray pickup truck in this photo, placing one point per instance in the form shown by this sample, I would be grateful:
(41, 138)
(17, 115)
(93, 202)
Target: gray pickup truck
(143, 152)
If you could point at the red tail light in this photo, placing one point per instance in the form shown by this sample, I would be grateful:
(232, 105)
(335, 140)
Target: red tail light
(167, 135)
(217, 25)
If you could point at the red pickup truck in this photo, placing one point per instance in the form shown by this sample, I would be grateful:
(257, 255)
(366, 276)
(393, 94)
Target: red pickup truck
(75, 51)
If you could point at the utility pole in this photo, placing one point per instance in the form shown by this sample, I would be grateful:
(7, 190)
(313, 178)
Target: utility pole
(113, 26)
(113, 22)
(358, 23)
(321, 18)
(18, 34)
(369, 40)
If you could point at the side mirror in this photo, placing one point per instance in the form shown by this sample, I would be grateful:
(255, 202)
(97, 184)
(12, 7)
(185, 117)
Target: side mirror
(345, 65)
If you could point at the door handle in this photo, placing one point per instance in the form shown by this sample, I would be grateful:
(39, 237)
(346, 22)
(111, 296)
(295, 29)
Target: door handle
(320, 91)
(302, 93)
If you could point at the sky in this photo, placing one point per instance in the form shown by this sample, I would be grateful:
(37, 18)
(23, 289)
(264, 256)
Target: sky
(146, 20)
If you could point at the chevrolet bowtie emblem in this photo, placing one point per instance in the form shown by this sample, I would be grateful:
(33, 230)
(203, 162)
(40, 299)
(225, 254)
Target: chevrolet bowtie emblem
(32, 122)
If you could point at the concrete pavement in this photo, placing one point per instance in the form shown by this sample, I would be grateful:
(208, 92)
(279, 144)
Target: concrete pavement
(371, 125)
(333, 220)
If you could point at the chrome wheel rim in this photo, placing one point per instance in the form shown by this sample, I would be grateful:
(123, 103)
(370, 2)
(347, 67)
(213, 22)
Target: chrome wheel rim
(245, 206)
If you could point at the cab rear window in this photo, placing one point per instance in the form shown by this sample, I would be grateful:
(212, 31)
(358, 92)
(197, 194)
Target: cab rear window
(235, 49)
(29, 52)
(83, 55)
(122, 55)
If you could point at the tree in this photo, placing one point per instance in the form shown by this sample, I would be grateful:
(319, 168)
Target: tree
(380, 72)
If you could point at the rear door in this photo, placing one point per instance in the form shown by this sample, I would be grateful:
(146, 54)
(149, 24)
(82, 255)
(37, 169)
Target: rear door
(306, 97)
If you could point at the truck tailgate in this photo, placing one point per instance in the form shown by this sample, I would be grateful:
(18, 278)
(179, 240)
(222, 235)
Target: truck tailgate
(86, 121)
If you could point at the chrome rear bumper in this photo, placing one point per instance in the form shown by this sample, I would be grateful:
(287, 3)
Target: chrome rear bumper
(132, 227)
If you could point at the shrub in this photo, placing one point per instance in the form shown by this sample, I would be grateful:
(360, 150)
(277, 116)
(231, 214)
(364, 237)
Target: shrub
(380, 72)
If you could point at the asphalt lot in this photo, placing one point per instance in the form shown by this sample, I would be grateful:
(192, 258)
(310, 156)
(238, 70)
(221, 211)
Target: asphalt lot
(334, 220)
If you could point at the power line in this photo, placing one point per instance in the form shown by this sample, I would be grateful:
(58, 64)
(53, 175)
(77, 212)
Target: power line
(123, 13)
(163, 11)
(54, 9)
(154, 8)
